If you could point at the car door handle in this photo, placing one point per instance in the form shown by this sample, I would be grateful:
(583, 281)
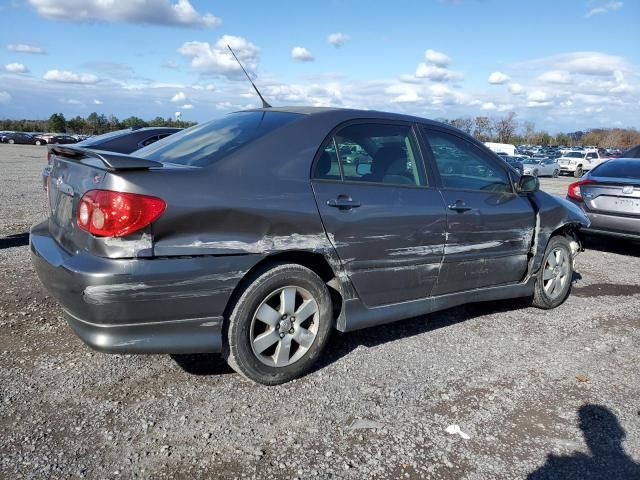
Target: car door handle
(459, 206)
(343, 202)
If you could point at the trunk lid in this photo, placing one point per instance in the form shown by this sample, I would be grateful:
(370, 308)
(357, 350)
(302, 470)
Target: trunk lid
(73, 172)
(613, 195)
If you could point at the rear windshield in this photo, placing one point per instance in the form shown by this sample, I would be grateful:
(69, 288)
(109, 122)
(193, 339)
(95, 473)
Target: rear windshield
(618, 169)
(203, 144)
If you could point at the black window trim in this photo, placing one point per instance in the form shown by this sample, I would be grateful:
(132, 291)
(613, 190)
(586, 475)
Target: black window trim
(429, 179)
(483, 148)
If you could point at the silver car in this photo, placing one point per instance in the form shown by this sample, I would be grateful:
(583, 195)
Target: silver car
(541, 167)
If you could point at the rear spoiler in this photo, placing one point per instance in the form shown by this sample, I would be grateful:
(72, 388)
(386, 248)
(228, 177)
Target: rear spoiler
(112, 160)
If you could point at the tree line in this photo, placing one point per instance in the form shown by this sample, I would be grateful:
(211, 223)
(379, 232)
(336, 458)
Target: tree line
(93, 124)
(507, 129)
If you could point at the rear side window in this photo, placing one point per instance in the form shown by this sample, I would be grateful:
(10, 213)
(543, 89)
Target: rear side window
(373, 153)
(618, 169)
(203, 144)
(463, 166)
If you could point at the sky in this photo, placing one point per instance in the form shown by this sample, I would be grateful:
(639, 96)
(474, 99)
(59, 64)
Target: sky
(564, 65)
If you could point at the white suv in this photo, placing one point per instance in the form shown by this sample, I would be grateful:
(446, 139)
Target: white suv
(577, 163)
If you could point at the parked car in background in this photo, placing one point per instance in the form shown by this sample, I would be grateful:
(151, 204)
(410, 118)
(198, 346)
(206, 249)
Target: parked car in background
(578, 162)
(541, 167)
(251, 236)
(62, 139)
(19, 138)
(515, 162)
(127, 140)
(119, 141)
(610, 196)
(506, 148)
(633, 152)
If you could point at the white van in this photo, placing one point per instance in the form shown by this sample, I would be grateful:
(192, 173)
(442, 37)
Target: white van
(507, 148)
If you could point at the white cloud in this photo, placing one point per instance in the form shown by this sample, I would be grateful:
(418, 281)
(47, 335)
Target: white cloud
(489, 106)
(5, 97)
(498, 78)
(155, 12)
(71, 101)
(179, 97)
(338, 39)
(538, 98)
(439, 59)
(602, 7)
(16, 68)
(24, 48)
(217, 59)
(556, 76)
(302, 54)
(70, 77)
(404, 93)
(589, 63)
(516, 89)
(97, 102)
(436, 74)
(187, 106)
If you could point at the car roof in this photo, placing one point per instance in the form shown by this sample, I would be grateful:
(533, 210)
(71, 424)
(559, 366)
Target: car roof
(346, 112)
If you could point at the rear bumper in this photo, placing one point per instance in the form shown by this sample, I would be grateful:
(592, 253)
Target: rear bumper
(611, 225)
(151, 305)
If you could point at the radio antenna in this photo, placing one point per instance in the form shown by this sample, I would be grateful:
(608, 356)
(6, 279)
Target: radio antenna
(265, 104)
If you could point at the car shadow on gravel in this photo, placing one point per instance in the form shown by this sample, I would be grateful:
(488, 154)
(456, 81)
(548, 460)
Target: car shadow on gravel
(618, 246)
(341, 344)
(202, 364)
(606, 458)
(15, 240)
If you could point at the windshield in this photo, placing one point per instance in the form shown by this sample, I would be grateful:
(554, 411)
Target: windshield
(530, 161)
(574, 155)
(205, 143)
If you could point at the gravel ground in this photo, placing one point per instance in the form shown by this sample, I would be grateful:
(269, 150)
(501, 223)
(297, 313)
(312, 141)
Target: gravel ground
(550, 394)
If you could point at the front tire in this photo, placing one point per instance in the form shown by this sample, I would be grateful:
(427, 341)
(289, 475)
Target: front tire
(556, 173)
(578, 173)
(553, 280)
(279, 325)
(38, 142)
(11, 141)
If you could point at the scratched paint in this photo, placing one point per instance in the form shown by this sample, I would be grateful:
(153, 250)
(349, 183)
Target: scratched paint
(100, 294)
(267, 244)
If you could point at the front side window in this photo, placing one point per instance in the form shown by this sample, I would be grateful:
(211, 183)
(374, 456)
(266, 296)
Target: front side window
(379, 153)
(463, 166)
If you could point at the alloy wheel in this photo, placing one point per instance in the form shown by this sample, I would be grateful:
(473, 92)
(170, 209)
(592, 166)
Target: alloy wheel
(556, 273)
(284, 326)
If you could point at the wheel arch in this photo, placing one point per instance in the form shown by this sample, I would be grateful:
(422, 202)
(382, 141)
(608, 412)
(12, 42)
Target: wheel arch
(315, 261)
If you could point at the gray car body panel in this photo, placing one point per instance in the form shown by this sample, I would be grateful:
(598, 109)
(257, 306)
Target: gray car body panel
(167, 288)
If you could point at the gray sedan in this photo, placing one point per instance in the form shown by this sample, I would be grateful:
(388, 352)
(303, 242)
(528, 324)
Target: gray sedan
(610, 196)
(252, 236)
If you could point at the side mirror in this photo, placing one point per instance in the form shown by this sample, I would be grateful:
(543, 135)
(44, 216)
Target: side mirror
(528, 184)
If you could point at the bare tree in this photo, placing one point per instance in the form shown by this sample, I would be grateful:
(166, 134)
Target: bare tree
(463, 123)
(483, 129)
(505, 127)
(529, 130)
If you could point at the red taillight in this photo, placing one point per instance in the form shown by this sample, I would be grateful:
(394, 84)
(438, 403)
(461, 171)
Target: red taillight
(115, 214)
(574, 189)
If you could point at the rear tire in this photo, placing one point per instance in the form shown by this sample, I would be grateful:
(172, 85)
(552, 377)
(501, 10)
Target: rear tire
(279, 324)
(11, 141)
(38, 142)
(553, 280)
(556, 173)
